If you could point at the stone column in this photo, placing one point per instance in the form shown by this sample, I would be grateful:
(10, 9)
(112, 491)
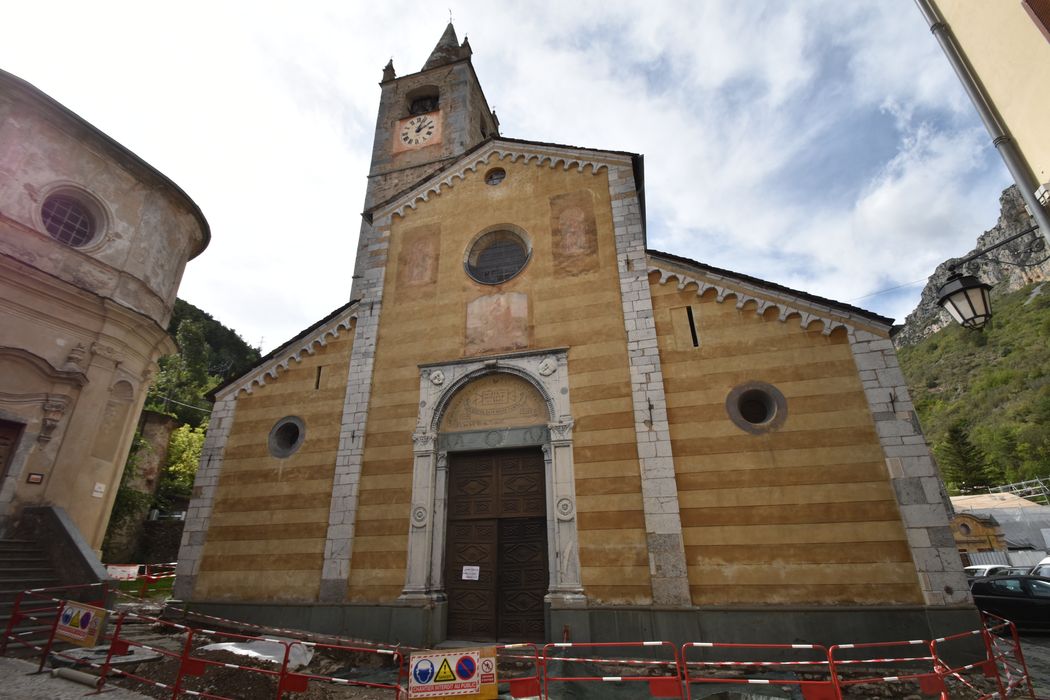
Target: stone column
(566, 588)
(920, 494)
(204, 485)
(418, 580)
(663, 524)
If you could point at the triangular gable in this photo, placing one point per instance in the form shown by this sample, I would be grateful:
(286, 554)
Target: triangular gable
(765, 295)
(308, 342)
(494, 152)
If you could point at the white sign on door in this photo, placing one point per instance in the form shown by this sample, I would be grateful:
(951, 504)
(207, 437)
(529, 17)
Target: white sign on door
(471, 573)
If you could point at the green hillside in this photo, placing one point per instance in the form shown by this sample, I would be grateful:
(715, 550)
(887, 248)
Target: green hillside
(989, 388)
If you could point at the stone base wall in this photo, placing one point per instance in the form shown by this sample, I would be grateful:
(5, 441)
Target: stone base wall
(423, 626)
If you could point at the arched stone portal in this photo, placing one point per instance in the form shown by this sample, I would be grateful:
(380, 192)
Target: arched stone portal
(508, 402)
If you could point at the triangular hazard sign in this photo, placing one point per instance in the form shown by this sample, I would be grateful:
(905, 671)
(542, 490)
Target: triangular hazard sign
(445, 673)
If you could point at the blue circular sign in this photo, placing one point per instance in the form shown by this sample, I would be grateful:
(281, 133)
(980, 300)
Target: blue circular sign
(423, 671)
(465, 668)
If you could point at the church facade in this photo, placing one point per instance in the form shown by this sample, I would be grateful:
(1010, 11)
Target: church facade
(527, 425)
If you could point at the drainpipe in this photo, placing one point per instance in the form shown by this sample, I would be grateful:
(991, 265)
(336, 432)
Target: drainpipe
(1000, 139)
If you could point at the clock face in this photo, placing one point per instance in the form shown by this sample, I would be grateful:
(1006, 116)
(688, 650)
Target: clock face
(418, 131)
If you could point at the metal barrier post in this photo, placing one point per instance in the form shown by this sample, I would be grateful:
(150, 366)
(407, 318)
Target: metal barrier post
(115, 647)
(183, 658)
(51, 637)
(16, 617)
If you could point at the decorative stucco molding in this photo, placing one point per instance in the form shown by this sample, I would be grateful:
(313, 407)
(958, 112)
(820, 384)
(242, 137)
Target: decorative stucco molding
(500, 152)
(744, 294)
(292, 352)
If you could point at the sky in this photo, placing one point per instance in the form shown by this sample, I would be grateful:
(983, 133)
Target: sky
(819, 144)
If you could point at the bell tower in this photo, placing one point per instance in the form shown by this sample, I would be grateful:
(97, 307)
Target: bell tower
(427, 119)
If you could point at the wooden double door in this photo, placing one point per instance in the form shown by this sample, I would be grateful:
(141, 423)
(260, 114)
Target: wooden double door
(496, 570)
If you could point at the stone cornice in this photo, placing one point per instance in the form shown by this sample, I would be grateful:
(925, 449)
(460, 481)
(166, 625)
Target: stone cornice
(280, 359)
(763, 299)
(501, 152)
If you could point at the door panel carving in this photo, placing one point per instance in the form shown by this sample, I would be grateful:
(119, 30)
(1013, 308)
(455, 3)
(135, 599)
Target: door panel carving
(497, 522)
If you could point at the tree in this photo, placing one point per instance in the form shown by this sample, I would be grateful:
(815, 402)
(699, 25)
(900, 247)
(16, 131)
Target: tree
(963, 464)
(184, 454)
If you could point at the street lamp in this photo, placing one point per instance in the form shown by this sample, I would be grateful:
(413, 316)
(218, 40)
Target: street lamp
(965, 297)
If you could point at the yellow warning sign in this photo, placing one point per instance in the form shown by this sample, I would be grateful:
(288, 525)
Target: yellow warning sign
(444, 673)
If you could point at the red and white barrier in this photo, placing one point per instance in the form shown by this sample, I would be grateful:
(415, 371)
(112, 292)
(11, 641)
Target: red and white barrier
(665, 685)
(754, 664)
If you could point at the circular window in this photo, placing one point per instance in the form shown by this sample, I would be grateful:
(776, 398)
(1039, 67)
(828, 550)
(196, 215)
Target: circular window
(495, 176)
(286, 436)
(497, 256)
(68, 220)
(756, 407)
(965, 529)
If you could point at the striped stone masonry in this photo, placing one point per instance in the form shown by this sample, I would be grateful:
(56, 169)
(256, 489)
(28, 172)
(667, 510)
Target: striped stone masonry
(368, 287)
(917, 485)
(663, 523)
(198, 516)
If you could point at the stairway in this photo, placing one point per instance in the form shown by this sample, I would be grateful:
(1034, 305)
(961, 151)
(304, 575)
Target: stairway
(23, 564)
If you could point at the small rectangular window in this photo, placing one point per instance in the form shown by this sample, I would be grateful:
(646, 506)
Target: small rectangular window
(317, 379)
(686, 327)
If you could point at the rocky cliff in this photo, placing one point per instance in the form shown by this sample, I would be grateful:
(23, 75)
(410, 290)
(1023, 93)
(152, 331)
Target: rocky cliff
(1001, 268)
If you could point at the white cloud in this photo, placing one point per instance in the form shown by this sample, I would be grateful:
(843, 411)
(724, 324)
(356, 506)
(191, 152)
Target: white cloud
(264, 114)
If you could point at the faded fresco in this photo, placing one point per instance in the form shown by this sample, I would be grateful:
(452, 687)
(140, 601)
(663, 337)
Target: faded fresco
(417, 263)
(574, 233)
(497, 322)
(495, 401)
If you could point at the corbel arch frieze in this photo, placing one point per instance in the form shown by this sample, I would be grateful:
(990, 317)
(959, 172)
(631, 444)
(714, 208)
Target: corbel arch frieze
(744, 297)
(566, 159)
(293, 352)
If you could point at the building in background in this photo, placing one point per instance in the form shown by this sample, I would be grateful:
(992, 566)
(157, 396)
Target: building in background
(93, 243)
(525, 424)
(1001, 53)
(1001, 528)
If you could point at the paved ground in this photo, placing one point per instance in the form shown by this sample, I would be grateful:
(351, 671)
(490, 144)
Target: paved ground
(1036, 650)
(20, 681)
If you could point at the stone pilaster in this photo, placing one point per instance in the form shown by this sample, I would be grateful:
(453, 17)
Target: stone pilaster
(663, 523)
(204, 485)
(920, 493)
(368, 283)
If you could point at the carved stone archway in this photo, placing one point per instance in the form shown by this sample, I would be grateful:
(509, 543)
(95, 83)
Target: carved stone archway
(439, 383)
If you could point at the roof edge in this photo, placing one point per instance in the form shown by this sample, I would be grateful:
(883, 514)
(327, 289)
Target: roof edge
(776, 289)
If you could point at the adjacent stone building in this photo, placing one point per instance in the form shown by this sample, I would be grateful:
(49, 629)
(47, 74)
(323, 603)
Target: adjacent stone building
(526, 424)
(93, 243)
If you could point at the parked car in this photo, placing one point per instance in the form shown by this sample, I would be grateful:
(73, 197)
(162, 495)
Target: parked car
(1023, 600)
(1040, 570)
(980, 570)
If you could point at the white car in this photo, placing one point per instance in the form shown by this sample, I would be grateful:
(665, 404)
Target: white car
(982, 570)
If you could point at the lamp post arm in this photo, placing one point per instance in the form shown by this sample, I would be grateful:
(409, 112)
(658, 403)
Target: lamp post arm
(978, 253)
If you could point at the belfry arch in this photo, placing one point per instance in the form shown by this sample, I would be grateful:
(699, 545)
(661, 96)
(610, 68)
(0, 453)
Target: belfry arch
(513, 401)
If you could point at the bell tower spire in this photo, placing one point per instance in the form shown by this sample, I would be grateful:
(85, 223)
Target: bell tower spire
(427, 119)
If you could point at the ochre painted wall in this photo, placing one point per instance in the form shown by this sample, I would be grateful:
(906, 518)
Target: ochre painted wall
(1012, 60)
(424, 319)
(803, 514)
(267, 531)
